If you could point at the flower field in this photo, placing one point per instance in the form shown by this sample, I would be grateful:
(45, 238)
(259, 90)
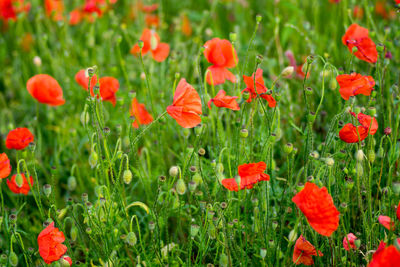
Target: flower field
(200, 133)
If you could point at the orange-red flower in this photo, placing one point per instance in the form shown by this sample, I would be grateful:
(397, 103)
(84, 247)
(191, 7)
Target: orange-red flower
(151, 43)
(348, 241)
(349, 132)
(5, 166)
(318, 207)
(355, 84)
(152, 20)
(148, 8)
(224, 101)
(186, 28)
(45, 89)
(108, 87)
(19, 185)
(250, 174)
(303, 252)
(222, 55)
(83, 81)
(54, 9)
(398, 211)
(19, 138)
(186, 106)
(358, 12)
(386, 222)
(50, 244)
(385, 256)
(260, 88)
(357, 36)
(9, 9)
(142, 116)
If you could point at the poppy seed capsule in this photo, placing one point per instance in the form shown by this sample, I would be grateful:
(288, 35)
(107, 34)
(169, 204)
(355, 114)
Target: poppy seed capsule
(173, 171)
(258, 18)
(245, 95)
(192, 186)
(162, 178)
(201, 152)
(380, 47)
(372, 111)
(47, 190)
(357, 110)
(180, 187)
(343, 207)
(131, 239)
(244, 133)
(127, 176)
(232, 37)
(193, 168)
(288, 148)
(309, 91)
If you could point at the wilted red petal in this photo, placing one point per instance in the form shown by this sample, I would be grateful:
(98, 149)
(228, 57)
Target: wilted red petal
(348, 241)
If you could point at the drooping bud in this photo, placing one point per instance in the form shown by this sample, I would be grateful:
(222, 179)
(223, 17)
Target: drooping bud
(292, 236)
(19, 180)
(194, 229)
(263, 252)
(197, 178)
(93, 159)
(127, 176)
(13, 259)
(180, 187)
(359, 155)
(131, 239)
(73, 233)
(71, 183)
(371, 156)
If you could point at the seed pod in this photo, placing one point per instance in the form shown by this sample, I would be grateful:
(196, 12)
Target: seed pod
(127, 176)
(131, 239)
(287, 72)
(192, 186)
(288, 148)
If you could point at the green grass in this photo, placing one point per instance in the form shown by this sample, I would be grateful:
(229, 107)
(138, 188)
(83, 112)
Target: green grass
(234, 228)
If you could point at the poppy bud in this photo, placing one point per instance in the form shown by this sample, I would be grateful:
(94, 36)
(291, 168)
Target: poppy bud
(173, 171)
(232, 37)
(343, 207)
(197, 178)
(359, 169)
(329, 162)
(245, 95)
(292, 236)
(177, 75)
(37, 61)
(258, 19)
(13, 259)
(3, 259)
(333, 84)
(180, 187)
(371, 156)
(73, 233)
(127, 176)
(287, 72)
(263, 252)
(359, 155)
(131, 239)
(201, 152)
(93, 159)
(71, 183)
(244, 133)
(186, 133)
(259, 59)
(381, 152)
(223, 260)
(288, 148)
(65, 261)
(387, 131)
(396, 187)
(314, 155)
(47, 190)
(85, 117)
(192, 186)
(372, 111)
(309, 91)
(357, 110)
(194, 229)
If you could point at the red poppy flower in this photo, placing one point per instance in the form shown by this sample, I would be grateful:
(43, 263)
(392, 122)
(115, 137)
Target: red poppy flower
(224, 101)
(5, 166)
(358, 12)
(152, 20)
(357, 36)
(91, 6)
(50, 244)
(386, 222)
(151, 43)
(142, 116)
(19, 186)
(222, 55)
(303, 252)
(186, 106)
(349, 132)
(385, 256)
(108, 87)
(149, 8)
(355, 84)
(10, 8)
(317, 205)
(54, 9)
(186, 28)
(349, 240)
(75, 16)
(260, 89)
(19, 138)
(250, 174)
(398, 211)
(83, 81)
(45, 89)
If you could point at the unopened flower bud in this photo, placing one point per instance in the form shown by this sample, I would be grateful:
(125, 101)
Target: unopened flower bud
(197, 178)
(131, 239)
(127, 176)
(263, 252)
(371, 156)
(74, 233)
(173, 171)
(387, 131)
(194, 229)
(180, 187)
(71, 183)
(232, 37)
(329, 162)
(13, 259)
(93, 159)
(359, 155)
(396, 188)
(287, 72)
(140, 44)
(37, 61)
(223, 260)
(65, 261)
(47, 190)
(258, 18)
(292, 236)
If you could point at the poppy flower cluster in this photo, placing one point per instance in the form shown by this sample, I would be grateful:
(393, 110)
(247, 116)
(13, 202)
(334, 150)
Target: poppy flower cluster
(86, 11)
(303, 252)
(358, 37)
(19, 138)
(355, 84)
(152, 44)
(318, 207)
(151, 20)
(222, 55)
(249, 174)
(5, 166)
(140, 114)
(224, 101)
(9, 9)
(19, 184)
(385, 256)
(353, 134)
(54, 9)
(108, 86)
(45, 89)
(186, 106)
(259, 90)
(50, 244)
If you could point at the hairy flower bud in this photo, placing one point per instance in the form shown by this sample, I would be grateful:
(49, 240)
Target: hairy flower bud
(127, 176)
